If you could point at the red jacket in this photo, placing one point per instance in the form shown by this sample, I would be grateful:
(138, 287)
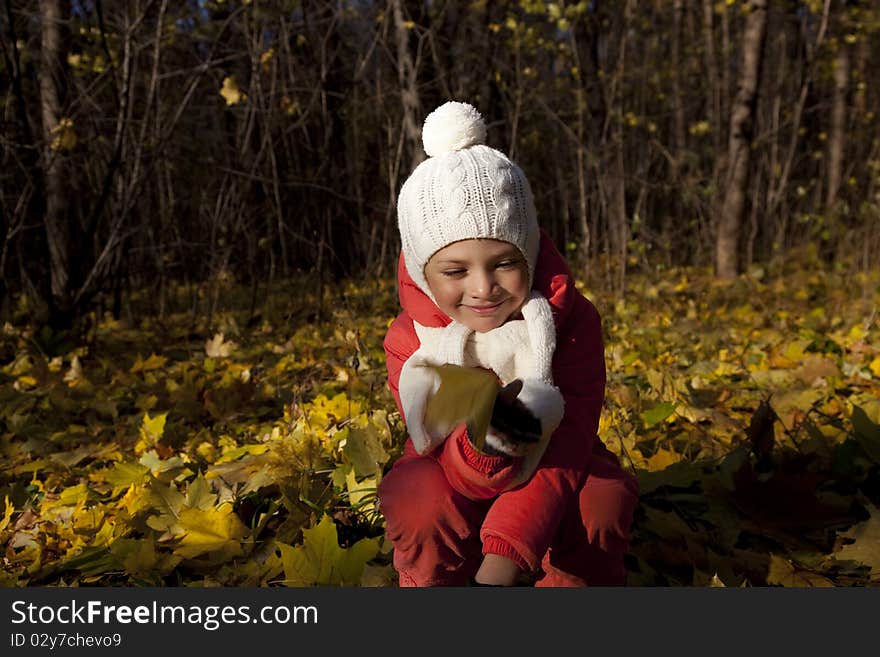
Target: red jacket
(522, 522)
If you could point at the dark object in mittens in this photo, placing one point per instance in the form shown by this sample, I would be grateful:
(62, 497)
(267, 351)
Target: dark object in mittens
(512, 419)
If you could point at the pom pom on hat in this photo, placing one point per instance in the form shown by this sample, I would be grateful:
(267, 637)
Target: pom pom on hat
(452, 127)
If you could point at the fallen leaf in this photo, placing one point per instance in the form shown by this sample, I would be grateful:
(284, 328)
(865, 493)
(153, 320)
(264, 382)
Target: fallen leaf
(865, 546)
(217, 348)
(657, 414)
(319, 561)
(210, 530)
(154, 362)
(784, 573)
(364, 449)
(662, 459)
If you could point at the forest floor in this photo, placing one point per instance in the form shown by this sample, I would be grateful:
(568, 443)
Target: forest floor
(246, 453)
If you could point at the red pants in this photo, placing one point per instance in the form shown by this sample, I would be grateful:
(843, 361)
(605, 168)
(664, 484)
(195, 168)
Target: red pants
(435, 530)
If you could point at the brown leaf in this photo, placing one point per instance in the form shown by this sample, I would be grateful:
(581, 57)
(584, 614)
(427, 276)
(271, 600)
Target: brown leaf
(784, 573)
(813, 368)
(761, 435)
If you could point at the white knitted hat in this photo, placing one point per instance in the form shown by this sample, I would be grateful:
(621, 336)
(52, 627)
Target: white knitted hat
(464, 190)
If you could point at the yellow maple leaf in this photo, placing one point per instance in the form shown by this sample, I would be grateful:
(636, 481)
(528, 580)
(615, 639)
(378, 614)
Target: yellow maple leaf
(321, 561)
(230, 91)
(466, 394)
(151, 432)
(136, 499)
(875, 367)
(216, 529)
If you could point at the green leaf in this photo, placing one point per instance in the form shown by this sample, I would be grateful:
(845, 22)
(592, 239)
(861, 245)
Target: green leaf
(657, 414)
(339, 477)
(92, 561)
(319, 561)
(364, 449)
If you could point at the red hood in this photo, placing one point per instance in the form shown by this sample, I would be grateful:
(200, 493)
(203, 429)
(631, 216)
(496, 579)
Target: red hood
(552, 279)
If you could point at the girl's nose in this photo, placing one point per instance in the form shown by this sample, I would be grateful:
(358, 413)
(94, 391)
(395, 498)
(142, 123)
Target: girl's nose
(482, 284)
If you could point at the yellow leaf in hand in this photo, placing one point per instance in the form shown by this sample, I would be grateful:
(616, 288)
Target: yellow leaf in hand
(466, 394)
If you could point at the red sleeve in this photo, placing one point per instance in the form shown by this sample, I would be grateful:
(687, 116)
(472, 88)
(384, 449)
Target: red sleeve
(400, 343)
(528, 516)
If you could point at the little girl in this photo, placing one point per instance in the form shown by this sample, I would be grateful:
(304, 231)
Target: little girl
(481, 285)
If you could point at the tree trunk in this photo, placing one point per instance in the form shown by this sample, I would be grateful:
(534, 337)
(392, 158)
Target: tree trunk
(712, 75)
(676, 65)
(407, 73)
(725, 68)
(837, 136)
(739, 142)
(617, 192)
(54, 219)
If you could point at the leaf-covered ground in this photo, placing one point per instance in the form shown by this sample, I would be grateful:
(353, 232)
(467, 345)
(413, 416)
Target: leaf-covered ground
(172, 453)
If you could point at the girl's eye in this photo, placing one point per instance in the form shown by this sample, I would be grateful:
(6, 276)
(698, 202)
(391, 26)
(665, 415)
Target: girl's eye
(507, 264)
(453, 272)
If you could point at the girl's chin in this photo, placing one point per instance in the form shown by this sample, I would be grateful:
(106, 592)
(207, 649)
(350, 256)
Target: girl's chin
(483, 324)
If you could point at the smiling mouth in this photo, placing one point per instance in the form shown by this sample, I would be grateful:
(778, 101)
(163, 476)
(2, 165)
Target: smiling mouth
(485, 310)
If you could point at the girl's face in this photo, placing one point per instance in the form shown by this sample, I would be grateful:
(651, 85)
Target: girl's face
(479, 282)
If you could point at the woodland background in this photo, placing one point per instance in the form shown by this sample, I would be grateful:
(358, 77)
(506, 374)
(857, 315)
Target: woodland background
(198, 242)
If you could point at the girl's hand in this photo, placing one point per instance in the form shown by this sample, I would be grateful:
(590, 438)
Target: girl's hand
(511, 421)
(497, 571)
